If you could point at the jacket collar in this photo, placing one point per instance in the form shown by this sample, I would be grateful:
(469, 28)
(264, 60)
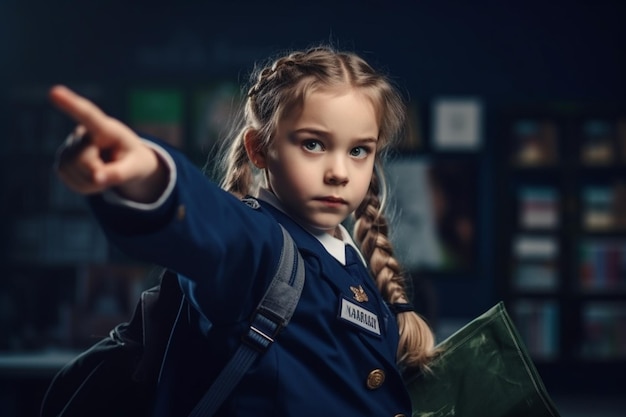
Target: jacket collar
(334, 246)
(308, 244)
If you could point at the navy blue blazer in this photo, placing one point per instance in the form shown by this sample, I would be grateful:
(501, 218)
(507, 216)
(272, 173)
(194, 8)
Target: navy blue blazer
(226, 252)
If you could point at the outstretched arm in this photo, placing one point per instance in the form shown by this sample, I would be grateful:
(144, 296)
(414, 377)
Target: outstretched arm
(106, 154)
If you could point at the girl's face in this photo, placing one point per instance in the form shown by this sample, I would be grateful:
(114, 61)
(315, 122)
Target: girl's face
(321, 160)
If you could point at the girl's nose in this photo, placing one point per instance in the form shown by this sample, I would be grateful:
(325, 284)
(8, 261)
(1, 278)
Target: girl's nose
(336, 172)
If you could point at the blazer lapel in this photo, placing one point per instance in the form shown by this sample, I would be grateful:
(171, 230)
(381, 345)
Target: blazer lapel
(338, 278)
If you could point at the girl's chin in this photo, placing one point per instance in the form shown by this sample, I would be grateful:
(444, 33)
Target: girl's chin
(326, 224)
(317, 228)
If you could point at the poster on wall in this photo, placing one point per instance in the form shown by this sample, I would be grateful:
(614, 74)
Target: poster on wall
(434, 213)
(534, 142)
(457, 124)
(157, 112)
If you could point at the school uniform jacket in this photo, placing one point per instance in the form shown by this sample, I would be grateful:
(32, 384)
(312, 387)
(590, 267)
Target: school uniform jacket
(324, 363)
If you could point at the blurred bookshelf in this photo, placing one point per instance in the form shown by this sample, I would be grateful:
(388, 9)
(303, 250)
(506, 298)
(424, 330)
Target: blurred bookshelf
(561, 234)
(51, 244)
(65, 286)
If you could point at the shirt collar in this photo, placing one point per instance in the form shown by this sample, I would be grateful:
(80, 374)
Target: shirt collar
(335, 247)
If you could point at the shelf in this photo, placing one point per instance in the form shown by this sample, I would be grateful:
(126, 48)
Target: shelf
(603, 331)
(562, 230)
(41, 364)
(537, 321)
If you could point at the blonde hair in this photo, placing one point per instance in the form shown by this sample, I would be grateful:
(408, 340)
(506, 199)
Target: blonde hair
(281, 87)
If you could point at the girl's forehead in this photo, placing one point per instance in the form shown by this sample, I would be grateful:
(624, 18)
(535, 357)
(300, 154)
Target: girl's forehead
(320, 99)
(349, 114)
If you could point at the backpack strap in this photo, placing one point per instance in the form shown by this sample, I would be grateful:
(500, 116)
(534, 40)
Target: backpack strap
(272, 314)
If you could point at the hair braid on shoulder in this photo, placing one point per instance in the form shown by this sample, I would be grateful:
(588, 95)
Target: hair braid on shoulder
(416, 346)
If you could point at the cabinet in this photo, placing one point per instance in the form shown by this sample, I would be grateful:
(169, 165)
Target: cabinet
(561, 236)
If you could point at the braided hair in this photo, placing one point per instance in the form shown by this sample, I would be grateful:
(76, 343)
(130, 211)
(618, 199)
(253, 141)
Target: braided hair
(282, 85)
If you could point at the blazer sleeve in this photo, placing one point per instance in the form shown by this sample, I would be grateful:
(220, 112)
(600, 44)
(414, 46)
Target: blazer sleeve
(224, 251)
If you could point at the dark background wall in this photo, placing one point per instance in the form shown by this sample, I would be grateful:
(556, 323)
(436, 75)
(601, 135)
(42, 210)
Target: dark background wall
(498, 51)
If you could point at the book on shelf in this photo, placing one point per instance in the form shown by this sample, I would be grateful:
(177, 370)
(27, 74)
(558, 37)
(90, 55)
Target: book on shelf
(534, 142)
(597, 203)
(597, 145)
(603, 330)
(604, 206)
(603, 264)
(535, 275)
(535, 263)
(535, 247)
(538, 324)
(538, 207)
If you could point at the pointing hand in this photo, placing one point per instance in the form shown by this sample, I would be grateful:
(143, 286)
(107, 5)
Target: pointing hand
(104, 153)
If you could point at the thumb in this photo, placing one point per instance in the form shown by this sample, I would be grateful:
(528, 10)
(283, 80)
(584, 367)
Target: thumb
(133, 169)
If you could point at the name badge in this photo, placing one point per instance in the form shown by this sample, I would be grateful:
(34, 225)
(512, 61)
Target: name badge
(358, 316)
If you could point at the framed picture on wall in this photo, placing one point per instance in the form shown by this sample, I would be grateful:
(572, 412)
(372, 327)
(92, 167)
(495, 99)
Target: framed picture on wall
(534, 141)
(457, 124)
(434, 213)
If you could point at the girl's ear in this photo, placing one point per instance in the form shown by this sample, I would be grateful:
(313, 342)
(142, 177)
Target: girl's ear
(254, 148)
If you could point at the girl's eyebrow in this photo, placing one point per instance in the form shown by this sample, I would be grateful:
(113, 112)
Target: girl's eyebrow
(367, 140)
(326, 134)
(312, 131)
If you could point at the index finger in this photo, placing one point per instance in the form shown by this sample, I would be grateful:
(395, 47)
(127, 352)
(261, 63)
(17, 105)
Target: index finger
(77, 107)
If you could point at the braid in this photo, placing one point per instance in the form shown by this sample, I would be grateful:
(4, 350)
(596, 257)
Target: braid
(416, 347)
(274, 73)
(238, 178)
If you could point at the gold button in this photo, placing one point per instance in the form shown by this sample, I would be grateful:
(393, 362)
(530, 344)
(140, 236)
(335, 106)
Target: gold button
(180, 212)
(399, 415)
(375, 379)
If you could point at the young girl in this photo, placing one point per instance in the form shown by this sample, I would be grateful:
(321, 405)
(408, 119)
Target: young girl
(315, 125)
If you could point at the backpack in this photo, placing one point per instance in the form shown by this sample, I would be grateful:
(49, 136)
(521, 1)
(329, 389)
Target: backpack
(118, 375)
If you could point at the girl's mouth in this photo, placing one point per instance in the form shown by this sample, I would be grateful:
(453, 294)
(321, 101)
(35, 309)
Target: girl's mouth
(333, 201)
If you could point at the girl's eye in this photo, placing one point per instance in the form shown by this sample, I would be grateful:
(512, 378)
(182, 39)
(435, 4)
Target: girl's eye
(313, 146)
(360, 152)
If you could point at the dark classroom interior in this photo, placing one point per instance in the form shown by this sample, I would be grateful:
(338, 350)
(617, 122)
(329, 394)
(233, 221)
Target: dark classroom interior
(511, 181)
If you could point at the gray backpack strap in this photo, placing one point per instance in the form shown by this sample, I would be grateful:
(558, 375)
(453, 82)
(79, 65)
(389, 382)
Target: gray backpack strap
(272, 314)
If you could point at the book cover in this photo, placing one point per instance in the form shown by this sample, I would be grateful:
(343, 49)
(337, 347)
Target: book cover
(534, 143)
(597, 144)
